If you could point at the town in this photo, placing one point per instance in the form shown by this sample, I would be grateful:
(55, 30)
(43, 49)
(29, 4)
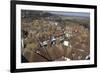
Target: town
(51, 37)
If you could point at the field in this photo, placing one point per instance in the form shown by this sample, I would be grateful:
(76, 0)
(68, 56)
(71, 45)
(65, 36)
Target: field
(48, 36)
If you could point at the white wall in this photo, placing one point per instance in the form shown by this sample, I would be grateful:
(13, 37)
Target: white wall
(5, 36)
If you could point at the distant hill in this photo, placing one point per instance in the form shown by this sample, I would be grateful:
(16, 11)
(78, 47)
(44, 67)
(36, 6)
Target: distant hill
(81, 18)
(31, 13)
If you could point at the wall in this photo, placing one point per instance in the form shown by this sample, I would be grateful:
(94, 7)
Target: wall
(5, 35)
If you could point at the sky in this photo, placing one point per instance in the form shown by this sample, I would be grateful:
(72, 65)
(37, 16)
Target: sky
(72, 13)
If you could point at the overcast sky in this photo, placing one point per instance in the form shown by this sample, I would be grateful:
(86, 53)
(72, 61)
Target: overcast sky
(72, 13)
